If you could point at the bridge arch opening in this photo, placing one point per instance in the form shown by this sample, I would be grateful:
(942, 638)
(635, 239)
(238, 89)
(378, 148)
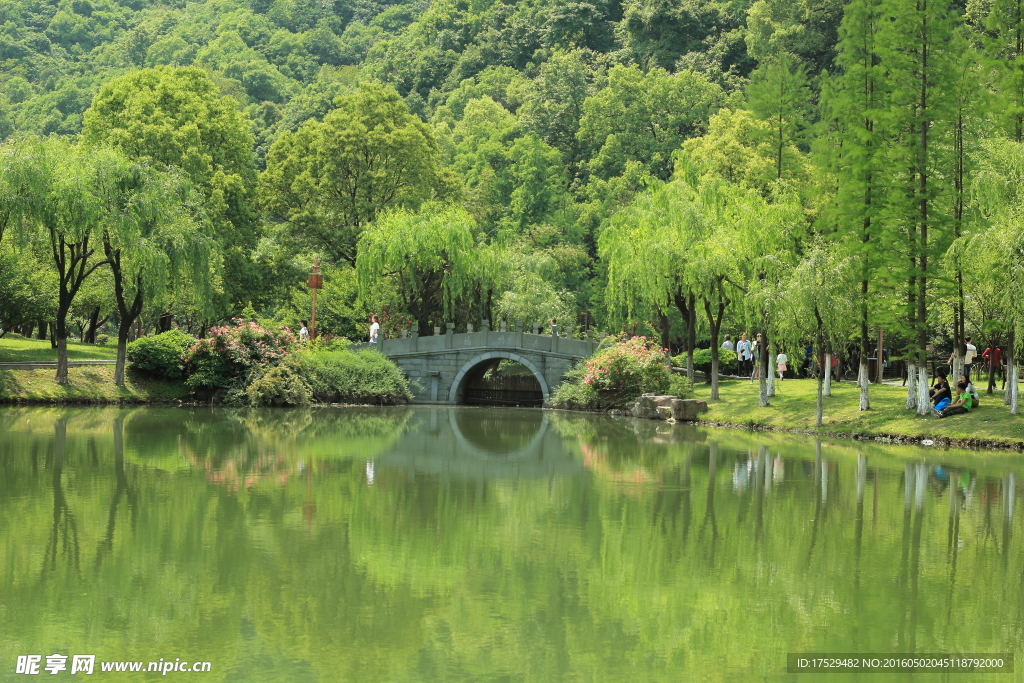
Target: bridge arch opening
(499, 379)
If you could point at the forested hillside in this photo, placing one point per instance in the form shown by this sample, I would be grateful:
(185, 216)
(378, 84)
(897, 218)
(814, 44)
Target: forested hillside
(811, 169)
(545, 115)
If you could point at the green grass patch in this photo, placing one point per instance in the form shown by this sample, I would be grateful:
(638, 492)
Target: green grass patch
(18, 349)
(793, 408)
(92, 384)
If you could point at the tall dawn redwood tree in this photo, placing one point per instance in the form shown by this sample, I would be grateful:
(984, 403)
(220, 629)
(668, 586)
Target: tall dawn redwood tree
(916, 45)
(855, 148)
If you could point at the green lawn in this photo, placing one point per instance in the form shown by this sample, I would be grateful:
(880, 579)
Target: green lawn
(793, 408)
(89, 384)
(15, 348)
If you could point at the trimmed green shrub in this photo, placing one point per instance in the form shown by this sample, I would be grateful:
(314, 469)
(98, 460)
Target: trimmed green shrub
(354, 377)
(280, 385)
(727, 361)
(160, 355)
(679, 386)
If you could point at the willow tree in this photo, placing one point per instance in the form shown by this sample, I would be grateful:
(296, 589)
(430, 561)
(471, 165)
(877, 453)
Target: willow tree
(64, 219)
(645, 247)
(428, 255)
(998, 185)
(772, 231)
(818, 303)
(22, 180)
(152, 236)
(1005, 23)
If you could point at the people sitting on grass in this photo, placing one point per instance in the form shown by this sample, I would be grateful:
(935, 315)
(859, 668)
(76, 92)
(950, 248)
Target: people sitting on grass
(962, 405)
(940, 393)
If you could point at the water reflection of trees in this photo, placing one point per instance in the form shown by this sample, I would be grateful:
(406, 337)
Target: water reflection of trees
(679, 574)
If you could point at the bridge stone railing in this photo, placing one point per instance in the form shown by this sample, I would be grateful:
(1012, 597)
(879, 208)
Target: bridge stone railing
(437, 364)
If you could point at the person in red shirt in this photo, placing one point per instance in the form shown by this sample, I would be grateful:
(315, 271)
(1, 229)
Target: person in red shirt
(994, 358)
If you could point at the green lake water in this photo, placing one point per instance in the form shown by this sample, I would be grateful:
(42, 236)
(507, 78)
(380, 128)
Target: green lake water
(472, 544)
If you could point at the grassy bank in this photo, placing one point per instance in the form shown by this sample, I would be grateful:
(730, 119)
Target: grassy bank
(18, 349)
(793, 409)
(94, 384)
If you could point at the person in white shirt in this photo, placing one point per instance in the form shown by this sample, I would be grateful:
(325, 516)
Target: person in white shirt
(969, 354)
(374, 329)
(780, 362)
(743, 354)
(727, 344)
(970, 351)
(303, 333)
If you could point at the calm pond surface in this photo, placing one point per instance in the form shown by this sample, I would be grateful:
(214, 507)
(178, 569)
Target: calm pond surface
(471, 544)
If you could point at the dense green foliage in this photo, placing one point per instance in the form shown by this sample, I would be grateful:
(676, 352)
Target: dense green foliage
(354, 377)
(161, 354)
(673, 169)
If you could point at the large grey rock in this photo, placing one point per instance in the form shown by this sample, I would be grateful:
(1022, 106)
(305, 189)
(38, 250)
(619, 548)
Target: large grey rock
(644, 407)
(688, 409)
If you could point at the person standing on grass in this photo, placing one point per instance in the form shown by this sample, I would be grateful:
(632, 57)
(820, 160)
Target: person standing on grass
(780, 362)
(743, 354)
(970, 351)
(374, 329)
(963, 404)
(994, 360)
(303, 333)
(727, 344)
(755, 351)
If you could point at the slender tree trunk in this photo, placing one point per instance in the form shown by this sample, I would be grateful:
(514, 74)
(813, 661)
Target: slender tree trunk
(864, 380)
(715, 323)
(664, 328)
(863, 373)
(1011, 368)
(1009, 354)
(827, 371)
(123, 330)
(911, 385)
(691, 335)
(991, 367)
(762, 362)
(53, 334)
(94, 322)
(820, 400)
(923, 401)
(43, 325)
(62, 349)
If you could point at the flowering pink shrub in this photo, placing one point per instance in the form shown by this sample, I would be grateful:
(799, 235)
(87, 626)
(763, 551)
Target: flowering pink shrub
(622, 372)
(231, 352)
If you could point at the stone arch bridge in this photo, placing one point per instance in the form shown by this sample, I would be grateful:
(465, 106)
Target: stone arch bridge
(441, 366)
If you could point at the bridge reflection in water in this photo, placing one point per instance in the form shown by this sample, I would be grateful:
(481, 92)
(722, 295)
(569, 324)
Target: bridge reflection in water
(481, 443)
